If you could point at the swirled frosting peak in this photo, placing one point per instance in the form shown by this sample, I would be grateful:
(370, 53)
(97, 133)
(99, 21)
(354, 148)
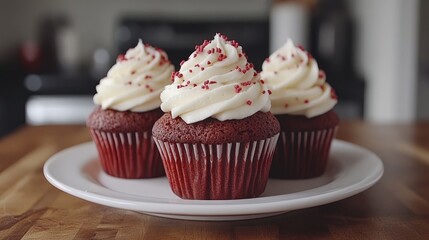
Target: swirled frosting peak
(216, 81)
(298, 86)
(135, 82)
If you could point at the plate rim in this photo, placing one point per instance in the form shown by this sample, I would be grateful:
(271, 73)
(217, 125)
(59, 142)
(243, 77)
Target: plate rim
(252, 206)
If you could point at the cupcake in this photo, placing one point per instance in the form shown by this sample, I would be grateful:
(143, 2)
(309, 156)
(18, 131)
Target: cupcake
(217, 136)
(128, 103)
(302, 101)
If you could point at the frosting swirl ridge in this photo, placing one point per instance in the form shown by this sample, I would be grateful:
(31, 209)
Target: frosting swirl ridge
(298, 86)
(135, 82)
(216, 81)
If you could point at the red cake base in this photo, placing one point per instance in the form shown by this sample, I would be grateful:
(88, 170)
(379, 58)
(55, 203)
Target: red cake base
(218, 171)
(128, 155)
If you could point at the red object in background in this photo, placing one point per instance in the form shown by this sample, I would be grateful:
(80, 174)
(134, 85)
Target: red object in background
(30, 56)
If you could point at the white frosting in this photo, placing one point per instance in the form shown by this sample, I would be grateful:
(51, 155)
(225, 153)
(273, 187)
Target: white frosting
(135, 82)
(216, 81)
(298, 86)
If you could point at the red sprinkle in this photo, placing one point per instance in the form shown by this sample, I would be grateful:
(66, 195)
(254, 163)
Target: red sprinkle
(333, 94)
(237, 88)
(240, 55)
(269, 91)
(247, 83)
(249, 102)
(262, 81)
(234, 43)
(202, 68)
(321, 74)
(286, 105)
(148, 77)
(306, 101)
(121, 57)
(255, 73)
(267, 60)
(162, 62)
(263, 92)
(190, 70)
(301, 47)
(222, 36)
(208, 62)
(182, 62)
(201, 47)
(133, 72)
(221, 57)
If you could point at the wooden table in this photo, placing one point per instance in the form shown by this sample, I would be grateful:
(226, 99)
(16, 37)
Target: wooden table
(397, 207)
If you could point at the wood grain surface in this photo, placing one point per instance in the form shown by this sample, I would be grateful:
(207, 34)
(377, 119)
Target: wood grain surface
(397, 207)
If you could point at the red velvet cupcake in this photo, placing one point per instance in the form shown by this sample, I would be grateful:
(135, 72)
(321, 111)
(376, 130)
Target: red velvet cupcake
(217, 136)
(214, 159)
(128, 99)
(302, 101)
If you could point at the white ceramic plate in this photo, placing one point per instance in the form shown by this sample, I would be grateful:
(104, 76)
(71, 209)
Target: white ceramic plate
(76, 171)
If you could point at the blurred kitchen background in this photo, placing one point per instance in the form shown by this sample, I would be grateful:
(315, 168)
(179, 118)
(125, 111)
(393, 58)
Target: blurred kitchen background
(54, 52)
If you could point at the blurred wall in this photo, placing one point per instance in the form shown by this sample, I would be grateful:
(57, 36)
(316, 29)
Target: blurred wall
(94, 20)
(423, 83)
(387, 45)
(386, 42)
